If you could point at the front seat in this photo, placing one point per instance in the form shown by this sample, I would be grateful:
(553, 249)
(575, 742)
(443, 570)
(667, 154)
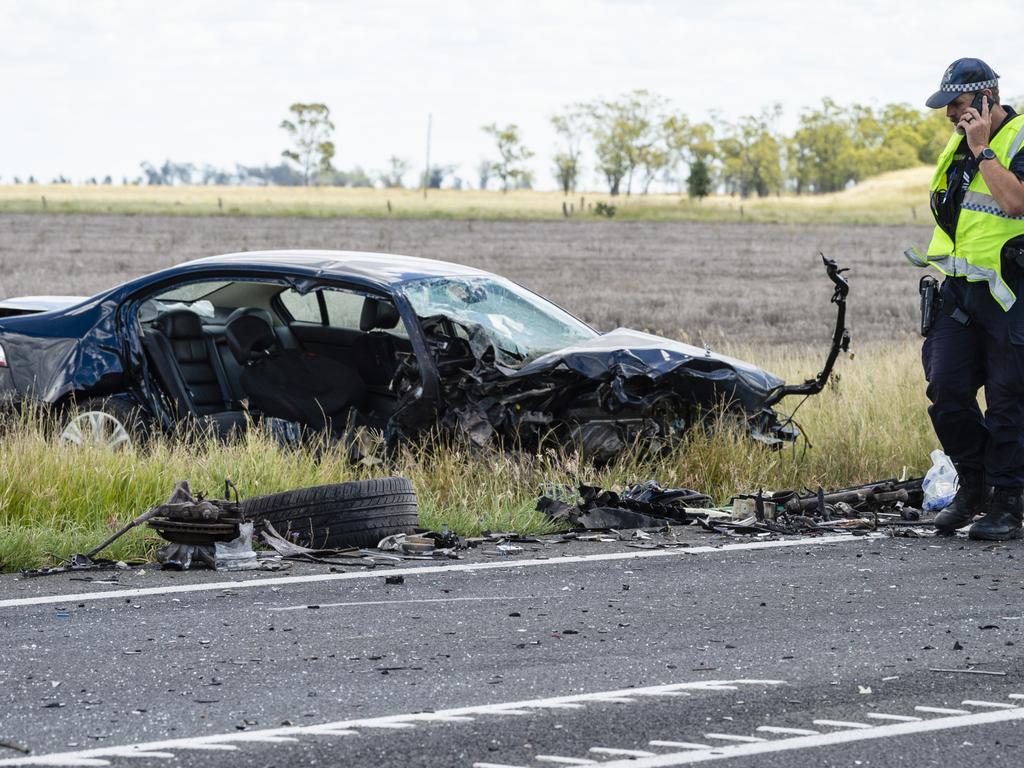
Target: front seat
(374, 350)
(188, 369)
(290, 384)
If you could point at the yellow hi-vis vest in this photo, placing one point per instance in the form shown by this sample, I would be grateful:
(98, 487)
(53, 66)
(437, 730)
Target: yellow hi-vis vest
(983, 227)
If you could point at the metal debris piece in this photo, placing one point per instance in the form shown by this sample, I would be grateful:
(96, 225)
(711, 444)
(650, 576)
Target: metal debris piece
(292, 551)
(645, 505)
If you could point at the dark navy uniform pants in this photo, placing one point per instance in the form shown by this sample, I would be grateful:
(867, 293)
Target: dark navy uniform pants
(959, 361)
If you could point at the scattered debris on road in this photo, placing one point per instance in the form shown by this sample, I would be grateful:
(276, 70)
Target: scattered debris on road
(646, 505)
(890, 504)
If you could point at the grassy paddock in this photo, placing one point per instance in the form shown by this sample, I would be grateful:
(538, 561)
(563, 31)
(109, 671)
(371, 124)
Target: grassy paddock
(57, 500)
(899, 197)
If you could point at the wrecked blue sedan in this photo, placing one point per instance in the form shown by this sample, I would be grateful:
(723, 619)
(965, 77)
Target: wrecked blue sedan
(329, 341)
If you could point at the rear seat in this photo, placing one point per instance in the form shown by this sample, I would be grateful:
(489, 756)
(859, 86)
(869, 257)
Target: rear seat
(190, 371)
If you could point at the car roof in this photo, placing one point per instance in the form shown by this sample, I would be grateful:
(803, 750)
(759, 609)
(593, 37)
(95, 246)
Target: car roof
(383, 269)
(41, 303)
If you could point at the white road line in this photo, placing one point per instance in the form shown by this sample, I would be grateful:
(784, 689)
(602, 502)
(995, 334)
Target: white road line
(1016, 696)
(941, 711)
(898, 718)
(258, 737)
(988, 704)
(91, 757)
(733, 737)
(496, 765)
(787, 731)
(216, 747)
(138, 753)
(377, 573)
(305, 606)
(332, 732)
(841, 724)
(612, 752)
(834, 738)
(678, 744)
(559, 760)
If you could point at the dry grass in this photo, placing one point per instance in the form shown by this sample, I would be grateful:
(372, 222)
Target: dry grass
(56, 500)
(899, 197)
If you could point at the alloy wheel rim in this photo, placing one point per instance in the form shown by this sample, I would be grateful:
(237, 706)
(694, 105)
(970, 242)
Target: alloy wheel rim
(98, 429)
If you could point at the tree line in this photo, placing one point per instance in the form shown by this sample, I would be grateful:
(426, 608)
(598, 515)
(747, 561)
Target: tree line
(630, 143)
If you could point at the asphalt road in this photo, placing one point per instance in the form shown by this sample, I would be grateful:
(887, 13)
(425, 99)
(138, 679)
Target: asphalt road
(806, 653)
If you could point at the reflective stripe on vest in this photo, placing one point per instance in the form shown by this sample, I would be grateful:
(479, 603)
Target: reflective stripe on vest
(979, 201)
(954, 266)
(1017, 142)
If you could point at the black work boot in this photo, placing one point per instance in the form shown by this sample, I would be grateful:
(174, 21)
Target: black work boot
(968, 502)
(1002, 521)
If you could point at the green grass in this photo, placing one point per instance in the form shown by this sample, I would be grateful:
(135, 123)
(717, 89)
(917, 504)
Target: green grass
(898, 197)
(58, 500)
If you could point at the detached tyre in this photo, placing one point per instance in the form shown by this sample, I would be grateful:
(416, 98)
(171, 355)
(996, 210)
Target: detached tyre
(355, 514)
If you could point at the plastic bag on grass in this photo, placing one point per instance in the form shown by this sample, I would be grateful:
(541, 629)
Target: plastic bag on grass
(237, 554)
(940, 483)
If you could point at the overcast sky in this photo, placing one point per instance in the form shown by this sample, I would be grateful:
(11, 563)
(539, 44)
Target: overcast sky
(94, 87)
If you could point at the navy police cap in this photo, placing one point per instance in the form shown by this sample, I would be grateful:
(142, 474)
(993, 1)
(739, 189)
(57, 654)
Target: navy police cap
(962, 76)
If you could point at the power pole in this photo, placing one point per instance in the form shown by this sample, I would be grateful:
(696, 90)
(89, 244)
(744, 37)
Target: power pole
(426, 172)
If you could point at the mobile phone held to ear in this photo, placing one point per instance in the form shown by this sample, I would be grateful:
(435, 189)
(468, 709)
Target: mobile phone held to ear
(977, 104)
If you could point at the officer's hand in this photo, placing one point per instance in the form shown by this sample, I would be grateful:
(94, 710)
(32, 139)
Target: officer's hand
(977, 126)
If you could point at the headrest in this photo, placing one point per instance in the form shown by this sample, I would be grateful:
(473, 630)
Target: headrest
(378, 313)
(249, 334)
(180, 324)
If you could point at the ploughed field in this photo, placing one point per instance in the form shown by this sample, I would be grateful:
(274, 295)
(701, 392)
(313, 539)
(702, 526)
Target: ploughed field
(727, 284)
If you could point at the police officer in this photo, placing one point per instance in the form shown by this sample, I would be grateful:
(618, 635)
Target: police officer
(977, 199)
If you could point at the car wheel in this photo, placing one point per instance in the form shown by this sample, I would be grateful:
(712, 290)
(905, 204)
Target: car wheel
(354, 514)
(103, 423)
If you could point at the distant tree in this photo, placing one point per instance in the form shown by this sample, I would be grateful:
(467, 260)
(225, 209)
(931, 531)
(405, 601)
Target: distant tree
(282, 175)
(626, 134)
(310, 130)
(698, 183)
(60, 179)
(524, 180)
(394, 175)
(437, 176)
(512, 153)
(32, 180)
(107, 181)
(355, 177)
(91, 181)
(571, 127)
(167, 174)
(484, 171)
(213, 176)
(17, 180)
(688, 143)
(751, 154)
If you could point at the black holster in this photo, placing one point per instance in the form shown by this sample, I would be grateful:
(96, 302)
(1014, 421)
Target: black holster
(930, 302)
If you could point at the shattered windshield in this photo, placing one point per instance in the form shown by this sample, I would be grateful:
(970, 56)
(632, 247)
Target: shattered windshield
(495, 312)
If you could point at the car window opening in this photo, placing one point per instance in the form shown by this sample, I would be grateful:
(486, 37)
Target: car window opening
(322, 360)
